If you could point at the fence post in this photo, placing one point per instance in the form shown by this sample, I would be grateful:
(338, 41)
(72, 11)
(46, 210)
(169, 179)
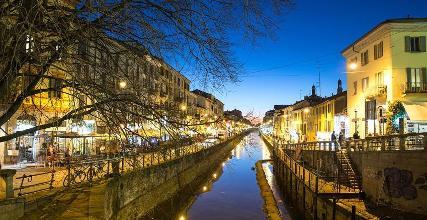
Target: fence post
(115, 166)
(353, 212)
(316, 191)
(6, 183)
(334, 209)
(383, 143)
(401, 142)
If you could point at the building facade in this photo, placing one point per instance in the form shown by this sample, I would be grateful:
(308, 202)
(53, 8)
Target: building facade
(312, 119)
(385, 66)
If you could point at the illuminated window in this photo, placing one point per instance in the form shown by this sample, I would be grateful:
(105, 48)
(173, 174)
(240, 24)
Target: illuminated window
(365, 84)
(415, 44)
(29, 44)
(379, 78)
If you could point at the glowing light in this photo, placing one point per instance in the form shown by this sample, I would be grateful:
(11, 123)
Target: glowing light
(306, 110)
(122, 84)
(183, 107)
(214, 175)
(353, 66)
(223, 164)
(181, 217)
(205, 188)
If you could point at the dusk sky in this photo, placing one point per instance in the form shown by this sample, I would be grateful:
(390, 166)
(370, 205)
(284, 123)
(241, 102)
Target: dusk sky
(309, 41)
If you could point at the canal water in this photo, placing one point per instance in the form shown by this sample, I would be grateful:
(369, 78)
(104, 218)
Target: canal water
(233, 192)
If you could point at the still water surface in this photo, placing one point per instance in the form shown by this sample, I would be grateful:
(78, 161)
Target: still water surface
(234, 192)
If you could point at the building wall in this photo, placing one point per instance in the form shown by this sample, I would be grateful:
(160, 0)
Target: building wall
(387, 180)
(392, 64)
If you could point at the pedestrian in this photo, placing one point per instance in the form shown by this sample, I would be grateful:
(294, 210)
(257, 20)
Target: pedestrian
(333, 137)
(341, 137)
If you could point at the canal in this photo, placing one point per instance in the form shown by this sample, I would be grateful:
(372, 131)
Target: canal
(232, 191)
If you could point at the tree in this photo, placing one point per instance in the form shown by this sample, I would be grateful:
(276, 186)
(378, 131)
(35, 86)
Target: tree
(395, 112)
(84, 54)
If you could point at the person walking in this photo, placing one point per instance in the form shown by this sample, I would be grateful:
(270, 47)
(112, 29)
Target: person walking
(341, 138)
(334, 139)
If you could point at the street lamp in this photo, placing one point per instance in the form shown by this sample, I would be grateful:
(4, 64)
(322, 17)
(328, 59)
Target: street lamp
(122, 84)
(353, 66)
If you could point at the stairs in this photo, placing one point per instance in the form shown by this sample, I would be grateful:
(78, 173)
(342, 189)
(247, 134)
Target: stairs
(347, 175)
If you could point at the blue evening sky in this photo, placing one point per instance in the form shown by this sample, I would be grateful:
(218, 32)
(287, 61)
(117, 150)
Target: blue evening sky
(309, 41)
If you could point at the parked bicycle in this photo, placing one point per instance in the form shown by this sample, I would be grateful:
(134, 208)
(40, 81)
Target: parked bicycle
(74, 176)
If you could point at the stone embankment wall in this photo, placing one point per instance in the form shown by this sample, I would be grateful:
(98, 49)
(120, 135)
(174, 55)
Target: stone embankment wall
(303, 199)
(397, 179)
(137, 193)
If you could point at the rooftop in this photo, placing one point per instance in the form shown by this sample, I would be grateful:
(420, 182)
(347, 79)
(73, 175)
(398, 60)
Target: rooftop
(388, 21)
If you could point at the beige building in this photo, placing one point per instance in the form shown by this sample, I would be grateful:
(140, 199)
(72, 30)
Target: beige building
(386, 65)
(207, 106)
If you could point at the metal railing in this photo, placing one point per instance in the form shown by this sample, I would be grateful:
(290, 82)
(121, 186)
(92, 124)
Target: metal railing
(34, 183)
(410, 141)
(416, 87)
(87, 170)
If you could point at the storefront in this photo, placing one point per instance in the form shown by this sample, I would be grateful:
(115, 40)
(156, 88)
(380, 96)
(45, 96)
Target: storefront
(23, 149)
(416, 117)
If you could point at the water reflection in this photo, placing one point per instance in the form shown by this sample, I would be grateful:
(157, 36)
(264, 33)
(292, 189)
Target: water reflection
(234, 193)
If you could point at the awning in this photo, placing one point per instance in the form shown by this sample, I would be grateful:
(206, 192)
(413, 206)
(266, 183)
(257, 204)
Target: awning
(416, 112)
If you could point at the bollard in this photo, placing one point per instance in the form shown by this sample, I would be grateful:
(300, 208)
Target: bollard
(353, 212)
(6, 184)
(115, 166)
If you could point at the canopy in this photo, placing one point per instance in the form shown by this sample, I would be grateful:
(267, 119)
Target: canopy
(416, 111)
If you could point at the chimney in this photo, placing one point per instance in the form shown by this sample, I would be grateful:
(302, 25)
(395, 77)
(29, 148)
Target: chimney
(339, 89)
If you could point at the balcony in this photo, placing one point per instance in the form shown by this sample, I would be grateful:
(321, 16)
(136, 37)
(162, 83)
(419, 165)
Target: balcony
(416, 87)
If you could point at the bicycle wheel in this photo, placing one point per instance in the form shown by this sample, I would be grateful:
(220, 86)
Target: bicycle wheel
(65, 182)
(79, 176)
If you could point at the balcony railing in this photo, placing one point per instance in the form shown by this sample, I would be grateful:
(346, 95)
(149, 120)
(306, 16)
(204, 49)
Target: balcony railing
(416, 87)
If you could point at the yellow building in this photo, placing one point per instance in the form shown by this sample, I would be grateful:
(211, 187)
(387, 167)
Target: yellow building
(386, 65)
(312, 119)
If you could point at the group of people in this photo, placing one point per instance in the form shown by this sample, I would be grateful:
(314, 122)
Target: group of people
(340, 137)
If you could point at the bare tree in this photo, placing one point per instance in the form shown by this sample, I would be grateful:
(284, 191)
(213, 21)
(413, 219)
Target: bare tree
(102, 59)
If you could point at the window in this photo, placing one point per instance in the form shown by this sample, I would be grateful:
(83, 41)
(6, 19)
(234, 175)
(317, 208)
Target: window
(365, 84)
(29, 44)
(378, 50)
(415, 44)
(355, 88)
(370, 107)
(379, 79)
(55, 84)
(416, 79)
(364, 58)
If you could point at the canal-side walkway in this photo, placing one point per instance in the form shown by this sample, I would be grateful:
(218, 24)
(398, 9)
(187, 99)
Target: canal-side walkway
(28, 182)
(131, 194)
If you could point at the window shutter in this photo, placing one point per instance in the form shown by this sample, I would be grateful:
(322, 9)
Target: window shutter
(423, 75)
(375, 52)
(367, 57)
(408, 75)
(407, 43)
(423, 43)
